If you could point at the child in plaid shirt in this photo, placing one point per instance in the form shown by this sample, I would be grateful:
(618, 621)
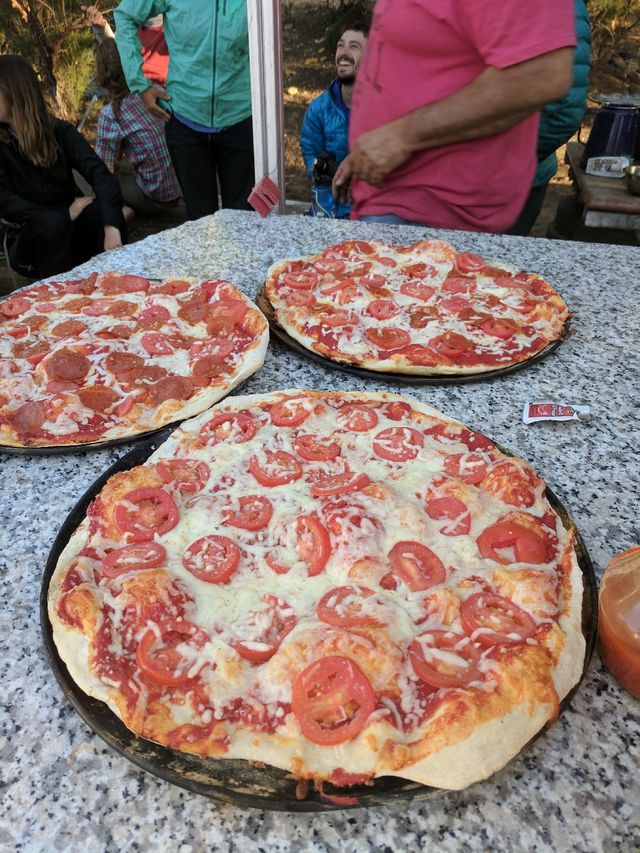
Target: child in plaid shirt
(126, 129)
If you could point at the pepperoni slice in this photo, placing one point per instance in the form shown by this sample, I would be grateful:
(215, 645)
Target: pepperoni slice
(123, 362)
(193, 311)
(118, 332)
(156, 344)
(28, 417)
(67, 365)
(469, 262)
(217, 349)
(382, 309)
(14, 306)
(497, 327)
(33, 351)
(398, 444)
(208, 367)
(470, 467)
(454, 514)
(77, 304)
(68, 329)
(98, 398)
(113, 283)
(172, 287)
(417, 290)
(186, 475)
(111, 308)
(417, 354)
(170, 387)
(458, 284)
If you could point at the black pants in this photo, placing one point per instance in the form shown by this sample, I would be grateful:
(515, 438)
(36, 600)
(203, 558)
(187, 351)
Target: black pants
(199, 158)
(530, 212)
(49, 243)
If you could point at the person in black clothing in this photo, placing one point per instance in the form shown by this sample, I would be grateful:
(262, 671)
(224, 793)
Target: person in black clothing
(47, 226)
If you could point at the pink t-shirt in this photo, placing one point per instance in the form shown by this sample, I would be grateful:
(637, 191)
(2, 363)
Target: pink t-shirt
(421, 51)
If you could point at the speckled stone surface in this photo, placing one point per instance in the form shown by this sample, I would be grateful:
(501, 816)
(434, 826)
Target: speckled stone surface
(576, 788)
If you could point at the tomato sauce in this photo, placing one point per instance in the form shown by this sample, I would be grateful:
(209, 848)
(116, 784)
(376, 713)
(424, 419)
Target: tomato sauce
(619, 619)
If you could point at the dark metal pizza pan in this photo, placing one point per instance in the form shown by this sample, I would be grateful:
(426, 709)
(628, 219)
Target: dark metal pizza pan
(263, 303)
(236, 781)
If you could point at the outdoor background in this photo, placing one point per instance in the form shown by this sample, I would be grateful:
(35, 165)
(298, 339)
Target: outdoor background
(52, 35)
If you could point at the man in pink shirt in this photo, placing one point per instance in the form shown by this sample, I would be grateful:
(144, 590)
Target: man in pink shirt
(446, 109)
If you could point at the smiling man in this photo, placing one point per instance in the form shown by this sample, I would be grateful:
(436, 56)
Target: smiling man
(325, 127)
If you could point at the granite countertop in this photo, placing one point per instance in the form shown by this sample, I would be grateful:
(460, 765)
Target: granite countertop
(576, 788)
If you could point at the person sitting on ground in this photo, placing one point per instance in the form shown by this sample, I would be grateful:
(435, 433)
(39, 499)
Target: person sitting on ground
(325, 127)
(49, 227)
(155, 53)
(132, 142)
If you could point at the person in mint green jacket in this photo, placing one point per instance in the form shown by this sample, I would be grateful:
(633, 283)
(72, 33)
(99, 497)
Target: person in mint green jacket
(207, 104)
(558, 122)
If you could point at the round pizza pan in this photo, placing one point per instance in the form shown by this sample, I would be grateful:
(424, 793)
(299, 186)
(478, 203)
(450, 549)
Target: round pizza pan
(237, 781)
(263, 303)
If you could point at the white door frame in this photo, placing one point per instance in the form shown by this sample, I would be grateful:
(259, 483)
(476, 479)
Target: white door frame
(265, 56)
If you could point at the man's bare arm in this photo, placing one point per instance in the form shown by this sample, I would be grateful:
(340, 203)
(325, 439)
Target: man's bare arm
(496, 100)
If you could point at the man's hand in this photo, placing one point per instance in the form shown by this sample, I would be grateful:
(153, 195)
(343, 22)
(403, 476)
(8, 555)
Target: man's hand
(151, 97)
(112, 238)
(380, 151)
(94, 17)
(78, 205)
(341, 183)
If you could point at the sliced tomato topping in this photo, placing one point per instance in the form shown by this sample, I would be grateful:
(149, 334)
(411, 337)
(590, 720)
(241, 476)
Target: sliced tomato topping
(527, 545)
(420, 270)
(275, 468)
(373, 282)
(332, 700)
(343, 607)
(300, 280)
(388, 337)
(155, 312)
(313, 545)
(254, 513)
(396, 410)
(470, 467)
(157, 344)
(290, 412)
(417, 290)
(387, 261)
(416, 565)
(260, 634)
(417, 354)
(398, 444)
(469, 262)
(340, 484)
(458, 284)
(133, 557)
(331, 266)
(357, 417)
(445, 658)
(453, 512)
(158, 657)
(337, 317)
(212, 559)
(499, 328)
(298, 298)
(187, 475)
(382, 309)
(452, 345)
(314, 448)
(145, 513)
(496, 619)
(234, 427)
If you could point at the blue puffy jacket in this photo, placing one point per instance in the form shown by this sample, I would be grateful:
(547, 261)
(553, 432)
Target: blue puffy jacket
(325, 127)
(561, 119)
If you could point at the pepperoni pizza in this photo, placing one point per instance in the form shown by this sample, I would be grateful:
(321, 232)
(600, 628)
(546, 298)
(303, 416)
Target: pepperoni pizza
(113, 355)
(343, 585)
(423, 309)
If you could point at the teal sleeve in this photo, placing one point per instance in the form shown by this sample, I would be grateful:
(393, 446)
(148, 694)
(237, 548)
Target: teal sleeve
(129, 15)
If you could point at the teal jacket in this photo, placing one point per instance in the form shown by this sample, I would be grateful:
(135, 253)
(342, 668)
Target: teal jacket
(208, 43)
(561, 119)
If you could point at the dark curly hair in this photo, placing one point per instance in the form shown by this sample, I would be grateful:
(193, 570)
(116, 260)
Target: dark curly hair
(110, 75)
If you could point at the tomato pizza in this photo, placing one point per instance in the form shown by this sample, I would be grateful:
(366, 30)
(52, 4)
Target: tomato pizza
(423, 309)
(342, 585)
(114, 355)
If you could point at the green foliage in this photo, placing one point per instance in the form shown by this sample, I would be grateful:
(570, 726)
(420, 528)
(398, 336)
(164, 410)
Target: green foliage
(76, 69)
(611, 22)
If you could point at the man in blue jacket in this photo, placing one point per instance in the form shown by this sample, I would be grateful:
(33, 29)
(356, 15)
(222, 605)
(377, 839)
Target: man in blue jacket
(325, 127)
(558, 122)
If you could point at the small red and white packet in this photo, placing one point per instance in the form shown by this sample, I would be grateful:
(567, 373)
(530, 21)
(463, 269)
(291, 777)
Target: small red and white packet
(548, 411)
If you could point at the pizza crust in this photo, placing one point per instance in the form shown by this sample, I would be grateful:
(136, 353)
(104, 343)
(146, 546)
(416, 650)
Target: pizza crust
(472, 734)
